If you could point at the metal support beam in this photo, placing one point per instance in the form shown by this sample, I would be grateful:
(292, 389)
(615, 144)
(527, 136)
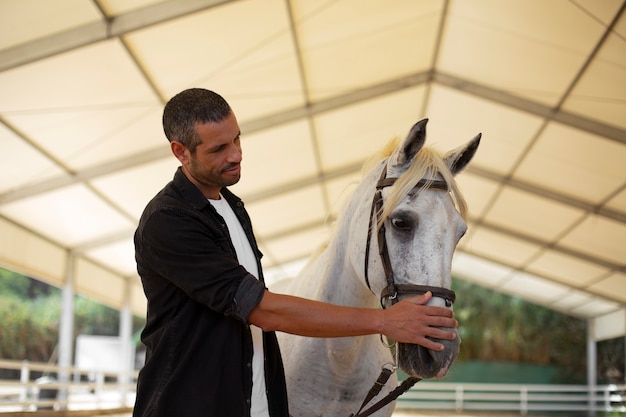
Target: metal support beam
(66, 327)
(125, 335)
(592, 373)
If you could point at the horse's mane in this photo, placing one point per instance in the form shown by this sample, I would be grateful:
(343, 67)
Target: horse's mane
(427, 163)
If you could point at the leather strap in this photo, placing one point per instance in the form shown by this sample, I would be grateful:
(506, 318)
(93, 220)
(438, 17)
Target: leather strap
(398, 391)
(411, 289)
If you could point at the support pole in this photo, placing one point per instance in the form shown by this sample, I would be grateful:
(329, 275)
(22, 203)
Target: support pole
(126, 329)
(592, 361)
(66, 332)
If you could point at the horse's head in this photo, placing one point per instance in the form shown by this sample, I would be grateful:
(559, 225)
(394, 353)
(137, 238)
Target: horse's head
(421, 213)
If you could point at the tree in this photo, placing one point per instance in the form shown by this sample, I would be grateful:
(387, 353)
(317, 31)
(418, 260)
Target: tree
(31, 312)
(496, 326)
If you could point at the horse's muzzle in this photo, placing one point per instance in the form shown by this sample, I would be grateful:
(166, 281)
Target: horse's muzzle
(424, 363)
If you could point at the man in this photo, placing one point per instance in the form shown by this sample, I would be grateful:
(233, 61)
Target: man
(211, 346)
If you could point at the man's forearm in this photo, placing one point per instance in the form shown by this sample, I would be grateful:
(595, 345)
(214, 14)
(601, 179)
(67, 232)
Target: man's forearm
(408, 321)
(289, 314)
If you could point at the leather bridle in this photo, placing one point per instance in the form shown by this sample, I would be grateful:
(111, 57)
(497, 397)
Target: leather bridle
(393, 290)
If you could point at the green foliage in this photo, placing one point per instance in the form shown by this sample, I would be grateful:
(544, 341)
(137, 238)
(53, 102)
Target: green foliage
(12, 283)
(31, 312)
(94, 318)
(22, 334)
(611, 363)
(498, 327)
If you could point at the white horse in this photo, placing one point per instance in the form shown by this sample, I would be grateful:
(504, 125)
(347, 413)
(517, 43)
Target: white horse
(422, 213)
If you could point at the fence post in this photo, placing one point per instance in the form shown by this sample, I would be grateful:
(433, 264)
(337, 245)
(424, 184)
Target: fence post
(607, 398)
(24, 378)
(524, 400)
(99, 391)
(592, 371)
(458, 398)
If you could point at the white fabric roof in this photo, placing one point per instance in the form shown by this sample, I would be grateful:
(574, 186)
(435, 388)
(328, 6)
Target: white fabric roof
(317, 87)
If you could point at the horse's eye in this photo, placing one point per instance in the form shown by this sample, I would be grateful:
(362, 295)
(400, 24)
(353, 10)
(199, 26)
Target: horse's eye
(401, 224)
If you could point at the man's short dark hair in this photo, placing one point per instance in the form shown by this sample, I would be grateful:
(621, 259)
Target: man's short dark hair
(189, 107)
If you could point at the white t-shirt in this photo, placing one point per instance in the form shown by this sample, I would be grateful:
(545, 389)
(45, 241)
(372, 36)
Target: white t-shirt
(259, 407)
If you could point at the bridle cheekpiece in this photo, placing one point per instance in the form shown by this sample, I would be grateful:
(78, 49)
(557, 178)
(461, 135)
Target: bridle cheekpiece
(393, 290)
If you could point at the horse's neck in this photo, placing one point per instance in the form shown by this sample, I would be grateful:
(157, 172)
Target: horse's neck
(332, 278)
(336, 276)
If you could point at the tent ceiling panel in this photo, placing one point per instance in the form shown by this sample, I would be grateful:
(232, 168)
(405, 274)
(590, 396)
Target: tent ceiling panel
(574, 299)
(21, 163)
(353, 134)
(613, 286)
(481, 271)
(132, 188)
(530, 286)
(318, 88)
(522, 212)
(277, 156)
(117, 7)
(28, 20)
(69, 216)
(105, 135)
(100, 76)
(96, 282)
(575, 163)
(594, 308)
(510, 130)
(478, 192)
(567, 269)
(538, 58)
(119, 256)
(296, 245)
(499, 247)
(618, 203)
(338, 191)
(136, 297)
(249, 41)
(601, 90)
(599, 237)
(28, 253)
(402, 36)
(277, 214)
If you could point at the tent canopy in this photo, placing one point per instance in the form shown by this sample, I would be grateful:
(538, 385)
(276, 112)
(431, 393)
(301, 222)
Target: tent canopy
(318, 87)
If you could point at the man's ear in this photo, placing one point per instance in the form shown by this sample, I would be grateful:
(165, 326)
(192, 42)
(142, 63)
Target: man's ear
(180, 151)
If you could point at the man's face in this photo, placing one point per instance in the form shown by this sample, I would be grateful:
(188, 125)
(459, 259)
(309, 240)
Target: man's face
(216, 161)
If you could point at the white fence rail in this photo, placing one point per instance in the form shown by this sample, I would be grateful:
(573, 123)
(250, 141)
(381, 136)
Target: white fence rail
(517, 398)
(30, 386)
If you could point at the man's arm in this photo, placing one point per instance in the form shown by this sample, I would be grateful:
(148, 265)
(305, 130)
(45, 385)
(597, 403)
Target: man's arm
(408, 321)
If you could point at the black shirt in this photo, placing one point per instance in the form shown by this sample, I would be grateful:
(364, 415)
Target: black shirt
(199, 345)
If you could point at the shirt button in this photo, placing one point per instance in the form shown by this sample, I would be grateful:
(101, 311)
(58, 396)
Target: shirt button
(249, 364)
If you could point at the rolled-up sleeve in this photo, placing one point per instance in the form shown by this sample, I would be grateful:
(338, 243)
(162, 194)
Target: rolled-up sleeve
(248, 296)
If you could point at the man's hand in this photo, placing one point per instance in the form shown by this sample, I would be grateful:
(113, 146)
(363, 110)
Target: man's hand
(412, 321)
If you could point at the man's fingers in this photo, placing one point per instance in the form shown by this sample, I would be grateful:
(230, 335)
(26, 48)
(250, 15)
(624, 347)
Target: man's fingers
(421, 299)
(441, 334)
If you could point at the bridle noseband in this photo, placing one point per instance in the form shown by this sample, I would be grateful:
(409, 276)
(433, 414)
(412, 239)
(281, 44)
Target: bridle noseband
(393, 290)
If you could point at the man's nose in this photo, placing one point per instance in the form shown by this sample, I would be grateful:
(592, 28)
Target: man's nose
(235, 154)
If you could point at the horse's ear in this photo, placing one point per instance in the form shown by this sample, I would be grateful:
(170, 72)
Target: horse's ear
(458, 158)
(411, 145)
